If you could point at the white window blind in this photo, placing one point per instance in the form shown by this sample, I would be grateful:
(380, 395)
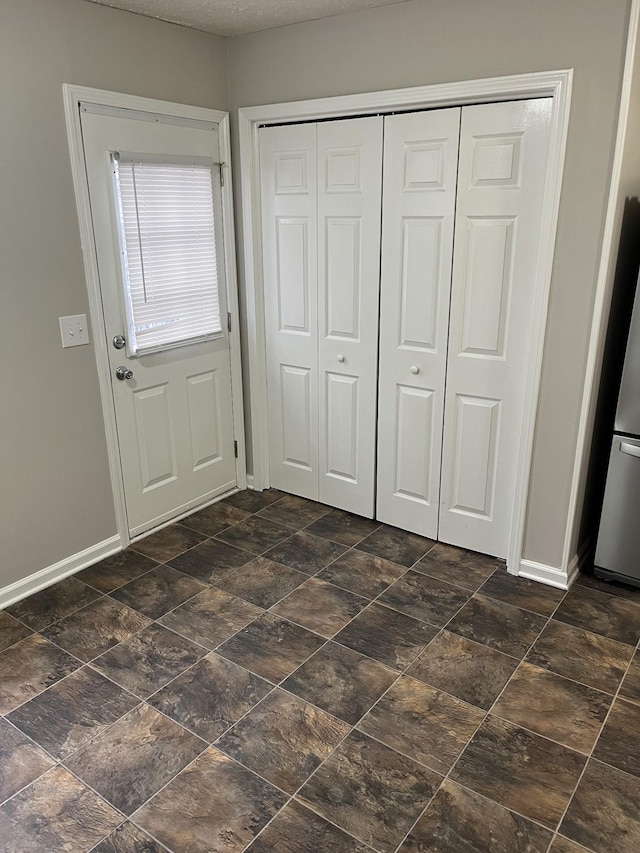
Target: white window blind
(168, 244)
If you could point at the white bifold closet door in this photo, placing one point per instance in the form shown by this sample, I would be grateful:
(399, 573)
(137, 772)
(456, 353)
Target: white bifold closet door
(321, 200)
(458, 271)
(420, 173)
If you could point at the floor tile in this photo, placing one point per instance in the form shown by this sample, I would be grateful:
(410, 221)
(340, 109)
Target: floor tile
(295, 512)
(181, 816)
(297, 830)
(210, 696)
(502, 626)
(148, 660)
(134, 758)
(211, 617)
(460, 821)
(343, 527)
(631, 685)
(575, 653)
(283, 739)
(370, 791)
(563, 845)
(21, 761)
(271, 647)
(457, 566)
(251, 501)
(261, 582)
(619, 743)
(55, 813)
(305, 552)
(620, 590)
(215, 518)
(425, 598)
(11, 631)
(94, 629)
(29, 667)
(211, 561)
(168, 542)
(320, 607)
(529, 595)
(399, 546)
(465, 669)
(128, 839)
(72, 712)
(255, 534)
(603, 814)
(554, 707)
(364, 574)
(427, 725)
(159, 591)
(116, 571)
(386, 635)
(520, 770)
(341, 681)
(604, 614)
(53, 603)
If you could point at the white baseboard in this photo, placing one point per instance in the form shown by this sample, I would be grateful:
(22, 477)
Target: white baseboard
(51, 574)
(548, 575)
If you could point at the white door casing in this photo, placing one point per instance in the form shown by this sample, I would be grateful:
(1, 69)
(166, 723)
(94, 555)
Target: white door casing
(349, 199)
(501, 180)
(321, 188)
(175, 417)
(420, 172)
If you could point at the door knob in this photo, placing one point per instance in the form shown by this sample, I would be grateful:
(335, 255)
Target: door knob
(415, 369)
(118, 341)
(123, 373)
(341, 358)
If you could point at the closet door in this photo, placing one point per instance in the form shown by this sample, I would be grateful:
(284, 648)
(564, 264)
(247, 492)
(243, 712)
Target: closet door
(503, 159)
(289, 234)
(349, 198)
(321, 196)
(420, 169)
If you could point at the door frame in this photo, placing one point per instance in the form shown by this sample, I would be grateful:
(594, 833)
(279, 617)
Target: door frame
(73, 96)
(554, 84)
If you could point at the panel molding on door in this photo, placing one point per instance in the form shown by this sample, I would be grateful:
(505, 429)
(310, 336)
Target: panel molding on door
(420, 172)
(503, 159)
(289, 226)
(349, 199)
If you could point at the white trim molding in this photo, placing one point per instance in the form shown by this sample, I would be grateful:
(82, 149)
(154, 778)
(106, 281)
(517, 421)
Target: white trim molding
(554, 84)
(73, 97)
(602, 301)
(58, 571)
(548, 575)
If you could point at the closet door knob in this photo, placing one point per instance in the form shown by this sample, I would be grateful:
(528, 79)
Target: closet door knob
(340, 358)
(415, 369)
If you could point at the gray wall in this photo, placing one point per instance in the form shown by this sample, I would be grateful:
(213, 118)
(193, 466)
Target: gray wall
(55, 492)
(435, 41)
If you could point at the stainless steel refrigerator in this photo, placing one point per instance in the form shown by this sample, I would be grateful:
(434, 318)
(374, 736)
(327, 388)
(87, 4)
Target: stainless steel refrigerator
(618, 547)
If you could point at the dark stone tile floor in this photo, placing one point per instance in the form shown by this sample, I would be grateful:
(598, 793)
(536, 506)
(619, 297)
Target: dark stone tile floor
(271, 674)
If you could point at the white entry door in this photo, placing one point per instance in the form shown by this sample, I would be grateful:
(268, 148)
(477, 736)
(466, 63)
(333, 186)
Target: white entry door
(321, 187)
(420, 171)
(501, 179)
(155, 202)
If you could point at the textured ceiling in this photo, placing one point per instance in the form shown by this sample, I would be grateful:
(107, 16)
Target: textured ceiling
(237, 17)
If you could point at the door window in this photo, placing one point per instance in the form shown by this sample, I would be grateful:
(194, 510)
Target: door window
(167, 233)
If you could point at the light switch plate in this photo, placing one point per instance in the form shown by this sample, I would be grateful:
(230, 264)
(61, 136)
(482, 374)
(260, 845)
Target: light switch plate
(74, 330)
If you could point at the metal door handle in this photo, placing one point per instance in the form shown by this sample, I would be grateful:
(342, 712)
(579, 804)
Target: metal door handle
(630, 449)
(123, 373)
(118, 341)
